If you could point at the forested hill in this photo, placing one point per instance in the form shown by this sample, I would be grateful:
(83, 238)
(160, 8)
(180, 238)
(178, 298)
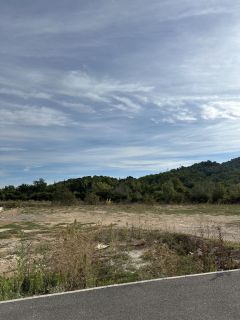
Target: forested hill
(202, 182)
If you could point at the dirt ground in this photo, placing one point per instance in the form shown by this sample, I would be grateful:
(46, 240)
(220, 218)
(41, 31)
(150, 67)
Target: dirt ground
(35, 223)
(194, 220)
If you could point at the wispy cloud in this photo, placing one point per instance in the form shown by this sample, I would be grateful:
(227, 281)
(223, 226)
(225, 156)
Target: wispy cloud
(23, 94)
(221, 110)
(77, 83)
(32, 116)
(116, 87)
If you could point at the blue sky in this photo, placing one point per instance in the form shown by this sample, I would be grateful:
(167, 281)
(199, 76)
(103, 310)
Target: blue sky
(116, 87)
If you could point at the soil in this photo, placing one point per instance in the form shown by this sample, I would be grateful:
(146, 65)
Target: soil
(207, 225)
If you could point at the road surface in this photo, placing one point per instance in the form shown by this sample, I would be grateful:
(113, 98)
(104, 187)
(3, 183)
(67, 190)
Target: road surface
(213, 296)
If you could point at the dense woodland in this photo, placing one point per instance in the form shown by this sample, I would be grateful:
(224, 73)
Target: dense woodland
(205, 182)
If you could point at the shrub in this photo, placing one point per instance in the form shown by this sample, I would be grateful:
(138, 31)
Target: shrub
(64, 196)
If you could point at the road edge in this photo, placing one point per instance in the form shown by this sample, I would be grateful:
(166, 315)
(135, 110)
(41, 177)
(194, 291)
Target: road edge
(117, 285)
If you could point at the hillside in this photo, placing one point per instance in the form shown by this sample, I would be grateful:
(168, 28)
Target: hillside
(202, 182)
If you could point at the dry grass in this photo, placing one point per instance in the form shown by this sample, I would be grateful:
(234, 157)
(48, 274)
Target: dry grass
(73, 258)
(84, 256)
(111, 244)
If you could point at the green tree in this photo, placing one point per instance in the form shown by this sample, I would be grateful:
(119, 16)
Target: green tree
(62, 195)
(219, 193)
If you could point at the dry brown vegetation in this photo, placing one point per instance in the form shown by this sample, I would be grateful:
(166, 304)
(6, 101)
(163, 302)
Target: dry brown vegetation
(42, 251)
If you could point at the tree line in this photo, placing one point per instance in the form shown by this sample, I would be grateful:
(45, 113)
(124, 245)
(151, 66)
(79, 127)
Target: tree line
(205, 182)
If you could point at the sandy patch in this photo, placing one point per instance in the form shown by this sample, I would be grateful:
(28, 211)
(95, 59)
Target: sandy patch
(31, 231)
(4, 229)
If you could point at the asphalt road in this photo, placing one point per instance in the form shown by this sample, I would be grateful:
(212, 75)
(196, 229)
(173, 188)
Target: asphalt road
(212, 296)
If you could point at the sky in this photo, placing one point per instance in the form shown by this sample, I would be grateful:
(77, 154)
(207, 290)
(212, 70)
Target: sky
(119, 88)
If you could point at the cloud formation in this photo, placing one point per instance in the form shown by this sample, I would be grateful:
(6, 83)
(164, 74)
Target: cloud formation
(14, 114)
(221, 110)
(116, 87)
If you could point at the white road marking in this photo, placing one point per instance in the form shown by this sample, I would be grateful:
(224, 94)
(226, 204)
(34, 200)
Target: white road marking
(120, 285)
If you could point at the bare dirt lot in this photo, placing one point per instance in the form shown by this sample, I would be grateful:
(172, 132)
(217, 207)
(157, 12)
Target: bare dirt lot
(38, 224)
(192, 219)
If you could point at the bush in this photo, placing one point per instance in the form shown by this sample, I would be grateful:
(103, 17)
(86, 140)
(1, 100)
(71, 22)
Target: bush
(64, 196)
(91, 198)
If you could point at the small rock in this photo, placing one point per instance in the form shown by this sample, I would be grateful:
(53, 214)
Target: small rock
(101, 246)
